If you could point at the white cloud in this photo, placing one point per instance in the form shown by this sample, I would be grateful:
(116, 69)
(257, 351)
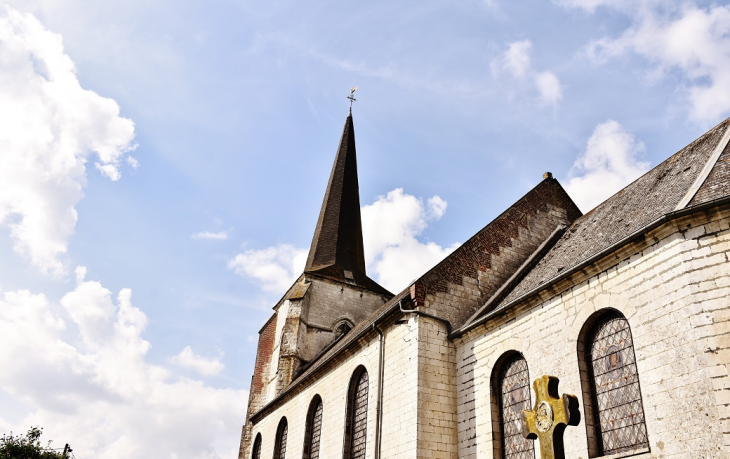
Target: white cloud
(391, 226)
(50, 128)
(514, 68)
(549, 88)
(436, 207)
(610, 162)
(219, 236)
(679, 39)
(394, 254)
(132, 161)
(275, 267)
(591, 5)
(192, 361)
(87, 381)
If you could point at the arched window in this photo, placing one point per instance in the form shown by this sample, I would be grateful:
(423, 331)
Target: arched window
(280, 445)
(313, 429)
(611, 392)
(256, 452)
(510, 397)
(357, 415)
(342, 328)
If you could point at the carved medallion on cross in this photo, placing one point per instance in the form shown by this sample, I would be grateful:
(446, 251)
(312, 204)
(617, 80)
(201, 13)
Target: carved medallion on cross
(550, 416)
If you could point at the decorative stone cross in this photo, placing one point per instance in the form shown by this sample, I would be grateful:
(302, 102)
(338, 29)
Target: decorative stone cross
(552, 413)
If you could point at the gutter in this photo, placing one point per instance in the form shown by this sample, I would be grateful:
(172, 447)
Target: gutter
(592, 259)
(379, 404)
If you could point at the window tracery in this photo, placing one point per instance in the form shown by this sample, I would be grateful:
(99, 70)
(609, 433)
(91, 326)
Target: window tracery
(612, 381)
(514, 398)
(256, 453)
(281, 437)
(357, 419)
(313, 430)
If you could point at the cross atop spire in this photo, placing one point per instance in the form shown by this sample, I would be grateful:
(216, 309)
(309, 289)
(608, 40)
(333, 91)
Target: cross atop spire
(351, 97)
(337, 247)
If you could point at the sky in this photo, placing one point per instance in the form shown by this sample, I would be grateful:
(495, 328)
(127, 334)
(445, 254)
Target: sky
(162, 166)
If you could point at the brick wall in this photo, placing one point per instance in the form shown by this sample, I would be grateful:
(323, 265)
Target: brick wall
(257, 392)
(673, 287)
(465, 280)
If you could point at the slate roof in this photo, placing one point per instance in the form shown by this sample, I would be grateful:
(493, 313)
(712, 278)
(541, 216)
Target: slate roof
(337, 248)
(717, 184)
(651, 196)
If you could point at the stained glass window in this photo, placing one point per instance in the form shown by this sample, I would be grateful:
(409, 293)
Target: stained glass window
(358, 417)
(314, 429)
(614, 382)
(514, 397)
(280, 445)
(256, 454)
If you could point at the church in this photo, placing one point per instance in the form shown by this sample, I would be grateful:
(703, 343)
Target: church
(548, 333)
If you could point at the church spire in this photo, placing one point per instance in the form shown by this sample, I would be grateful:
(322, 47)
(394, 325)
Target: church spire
(337, 249)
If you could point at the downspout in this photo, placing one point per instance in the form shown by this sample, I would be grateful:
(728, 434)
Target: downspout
(379, 404)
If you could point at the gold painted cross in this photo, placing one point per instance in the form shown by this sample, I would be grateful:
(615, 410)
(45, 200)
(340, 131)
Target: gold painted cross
(552, 413)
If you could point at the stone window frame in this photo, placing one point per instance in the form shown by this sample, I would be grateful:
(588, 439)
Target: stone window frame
(256, 450)
(496, 399)
(587, 386)
(349, 411)
(313, 406)
(340, 322)
(282, 434)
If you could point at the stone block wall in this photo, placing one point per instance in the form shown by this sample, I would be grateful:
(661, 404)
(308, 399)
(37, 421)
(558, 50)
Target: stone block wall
(674, 288)
(437, 426)
(328, 302)
(400, 381)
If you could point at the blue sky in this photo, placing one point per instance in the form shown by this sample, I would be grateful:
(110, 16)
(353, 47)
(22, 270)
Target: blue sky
(138, 286)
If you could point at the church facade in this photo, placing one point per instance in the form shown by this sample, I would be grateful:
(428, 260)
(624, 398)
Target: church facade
(627, 306)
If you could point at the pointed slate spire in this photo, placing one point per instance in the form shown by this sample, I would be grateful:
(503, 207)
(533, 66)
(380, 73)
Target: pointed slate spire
(338, 238)
(337, 248)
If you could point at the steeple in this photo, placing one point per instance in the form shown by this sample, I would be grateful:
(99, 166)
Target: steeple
(337, 249)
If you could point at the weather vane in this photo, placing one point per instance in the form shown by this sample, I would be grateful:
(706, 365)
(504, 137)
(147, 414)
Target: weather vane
(351, 97)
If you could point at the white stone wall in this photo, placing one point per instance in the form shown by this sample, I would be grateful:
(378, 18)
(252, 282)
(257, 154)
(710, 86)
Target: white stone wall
(437, 427)
(399, 395)
(674, 289)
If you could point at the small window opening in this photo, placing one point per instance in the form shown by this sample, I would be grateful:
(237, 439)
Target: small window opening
(342, 329)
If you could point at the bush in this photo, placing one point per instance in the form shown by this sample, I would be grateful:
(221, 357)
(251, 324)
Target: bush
(27, 447)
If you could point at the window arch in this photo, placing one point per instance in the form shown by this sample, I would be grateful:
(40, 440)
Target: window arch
(610, 381)
(281, 434)
(357, 415)
(256, 451)
(313, 429)
(510, 397)
(342, 328)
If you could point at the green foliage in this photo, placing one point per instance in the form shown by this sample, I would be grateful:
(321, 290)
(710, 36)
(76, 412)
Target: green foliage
(27, 447)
